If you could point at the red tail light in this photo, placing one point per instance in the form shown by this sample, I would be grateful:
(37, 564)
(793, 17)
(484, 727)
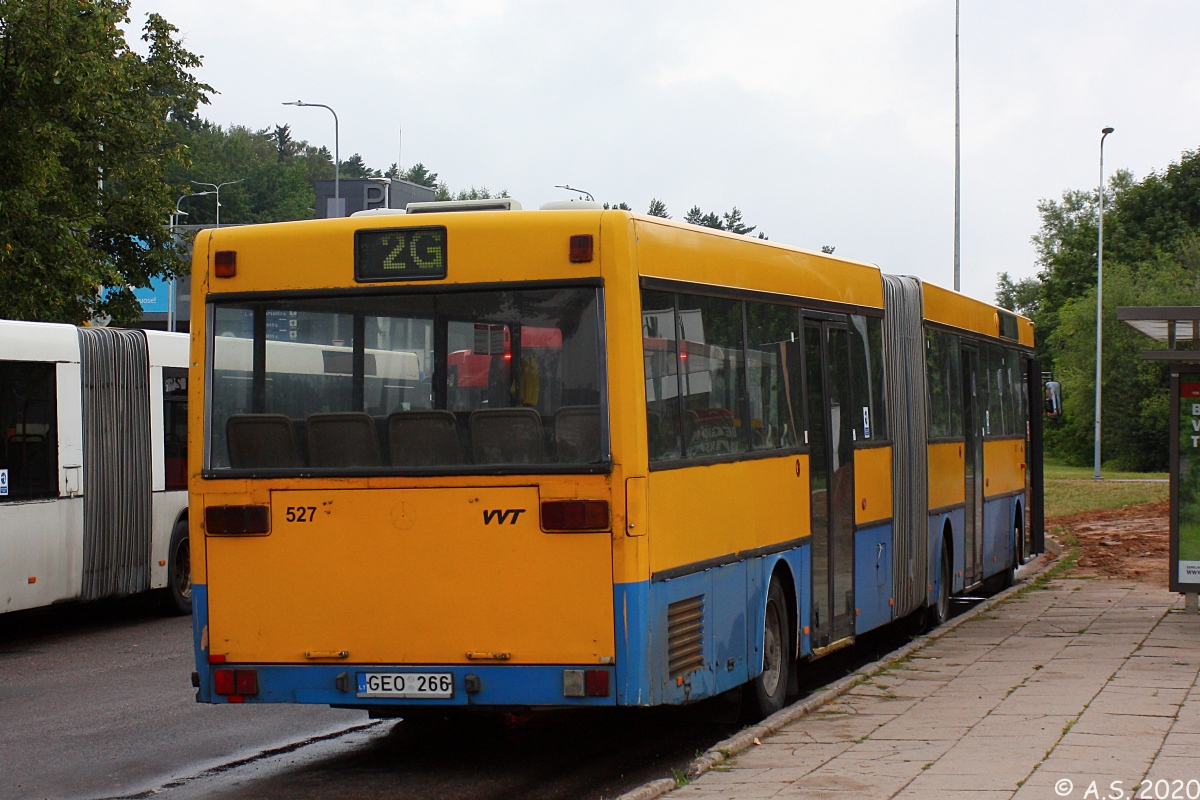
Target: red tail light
(237, 520)
(575, 515)
(246, 681)
(225, 263)
(597, 682)
(235, 682)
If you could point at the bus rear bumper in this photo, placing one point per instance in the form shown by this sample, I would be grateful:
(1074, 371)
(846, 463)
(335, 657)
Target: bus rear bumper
(338, 684)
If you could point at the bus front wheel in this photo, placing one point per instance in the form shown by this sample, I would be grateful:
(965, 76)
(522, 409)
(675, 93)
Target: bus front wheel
(765, 694)
(177, 597)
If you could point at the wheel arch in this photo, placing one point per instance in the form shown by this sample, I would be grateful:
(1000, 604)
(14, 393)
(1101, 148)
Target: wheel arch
(781, 570)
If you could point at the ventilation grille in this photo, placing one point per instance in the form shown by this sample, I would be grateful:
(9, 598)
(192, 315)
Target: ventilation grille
(685, 636)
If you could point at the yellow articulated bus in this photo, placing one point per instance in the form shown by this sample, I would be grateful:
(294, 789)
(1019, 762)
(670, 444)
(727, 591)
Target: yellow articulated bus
(481, 456)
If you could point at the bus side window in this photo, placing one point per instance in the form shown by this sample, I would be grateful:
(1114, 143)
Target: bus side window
(945, 384)
(866, 348)
(28, 430)
(773, 376)
(659, 345)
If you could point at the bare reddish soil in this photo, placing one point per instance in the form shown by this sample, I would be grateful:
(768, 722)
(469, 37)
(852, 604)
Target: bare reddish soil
(1128, 542)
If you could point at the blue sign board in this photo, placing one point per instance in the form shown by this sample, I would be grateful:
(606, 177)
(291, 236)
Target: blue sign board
(155, 298)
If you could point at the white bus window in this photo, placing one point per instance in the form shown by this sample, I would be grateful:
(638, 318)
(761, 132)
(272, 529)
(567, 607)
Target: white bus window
(28, 414)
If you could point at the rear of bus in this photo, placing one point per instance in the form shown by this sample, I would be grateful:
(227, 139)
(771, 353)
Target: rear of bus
(402, 467)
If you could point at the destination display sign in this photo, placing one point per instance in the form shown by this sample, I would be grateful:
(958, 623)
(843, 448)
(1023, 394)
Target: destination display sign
(400, 254)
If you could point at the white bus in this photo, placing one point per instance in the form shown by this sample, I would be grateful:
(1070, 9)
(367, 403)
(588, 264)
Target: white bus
(93, 465)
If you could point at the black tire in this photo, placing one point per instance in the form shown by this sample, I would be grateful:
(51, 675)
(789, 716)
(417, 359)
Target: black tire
(940, 611)
(765, 694)
(177, 597)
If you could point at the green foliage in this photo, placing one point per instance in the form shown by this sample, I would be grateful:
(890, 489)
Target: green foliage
(1020, 296)
(355, 167)
(658, 209)
(277, 174)
(1151, 257)
(618, 207)
(1136, 391)
(730, 221)
(86, 139)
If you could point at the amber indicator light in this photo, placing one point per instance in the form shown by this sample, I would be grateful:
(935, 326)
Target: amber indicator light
(581, 248)
(225, 263)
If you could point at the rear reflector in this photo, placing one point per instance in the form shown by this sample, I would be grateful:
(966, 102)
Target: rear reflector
(581, 248)
(242, 682)
(575, 515)
(237, 520)
(223, 681)
(225, 263)
(597, 683)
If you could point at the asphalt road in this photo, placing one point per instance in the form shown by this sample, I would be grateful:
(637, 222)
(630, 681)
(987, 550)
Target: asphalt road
(96, 702)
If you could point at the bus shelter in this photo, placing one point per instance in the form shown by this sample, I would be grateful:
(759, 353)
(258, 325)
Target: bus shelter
(1179, 328)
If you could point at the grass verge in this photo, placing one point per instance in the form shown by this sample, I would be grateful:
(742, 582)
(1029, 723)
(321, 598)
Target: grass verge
(1067, 497)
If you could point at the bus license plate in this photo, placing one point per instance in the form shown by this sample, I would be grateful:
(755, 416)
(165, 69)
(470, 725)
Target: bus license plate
(431, 685)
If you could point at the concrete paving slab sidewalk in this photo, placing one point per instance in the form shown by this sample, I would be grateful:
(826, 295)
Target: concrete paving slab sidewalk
(1084, 688)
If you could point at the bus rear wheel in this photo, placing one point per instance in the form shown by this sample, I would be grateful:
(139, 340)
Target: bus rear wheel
(765, 694)
(177, 597)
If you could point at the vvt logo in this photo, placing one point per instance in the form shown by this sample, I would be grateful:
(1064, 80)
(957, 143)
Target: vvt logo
(499, 516)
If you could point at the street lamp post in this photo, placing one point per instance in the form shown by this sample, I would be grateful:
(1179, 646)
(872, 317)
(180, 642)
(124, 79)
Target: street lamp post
(171, 283)
(957, 171)
(1099, 305)
(217, 191)
(337, 162)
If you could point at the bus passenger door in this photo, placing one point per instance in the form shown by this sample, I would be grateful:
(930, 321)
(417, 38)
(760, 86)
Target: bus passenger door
(831, 467)
(973, 405)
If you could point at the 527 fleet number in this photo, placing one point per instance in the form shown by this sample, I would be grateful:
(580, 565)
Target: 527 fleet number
(301, 513)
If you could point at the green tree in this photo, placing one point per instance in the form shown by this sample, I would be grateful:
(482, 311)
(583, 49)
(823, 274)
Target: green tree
(1151, 257)
(355, 167)
(277, 174)
(86, 138)
(658, 209)
(732, 222)
(1136, 390)
(1020, 295)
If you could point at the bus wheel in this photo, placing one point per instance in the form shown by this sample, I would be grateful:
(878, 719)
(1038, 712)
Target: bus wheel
(177, 597)
(765, 694)
(941, 608)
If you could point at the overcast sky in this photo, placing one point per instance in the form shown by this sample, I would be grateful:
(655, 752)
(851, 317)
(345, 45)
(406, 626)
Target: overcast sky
(825, 123)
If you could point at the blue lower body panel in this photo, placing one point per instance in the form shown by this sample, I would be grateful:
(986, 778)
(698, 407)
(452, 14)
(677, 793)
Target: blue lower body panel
(872, 578)
(998, 518)
(734, 600)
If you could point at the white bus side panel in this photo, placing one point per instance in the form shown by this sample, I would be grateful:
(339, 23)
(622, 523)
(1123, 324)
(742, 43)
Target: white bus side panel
(164, 509)
(42, 540)
(70, 433)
